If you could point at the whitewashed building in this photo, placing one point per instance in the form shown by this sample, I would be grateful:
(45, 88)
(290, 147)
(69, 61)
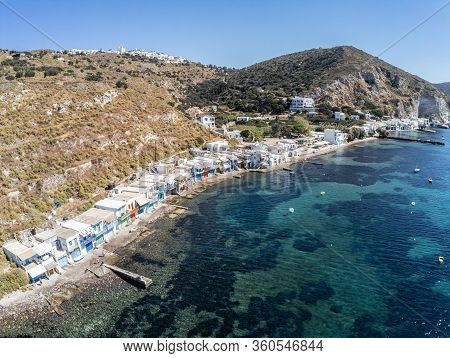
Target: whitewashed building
(340, 116)
(206, 120)
(334, 136)
(301, 103)
(242, 119)
(217, 146)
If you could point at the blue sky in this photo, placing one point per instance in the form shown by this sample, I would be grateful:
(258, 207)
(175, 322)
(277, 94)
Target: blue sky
(238, 33)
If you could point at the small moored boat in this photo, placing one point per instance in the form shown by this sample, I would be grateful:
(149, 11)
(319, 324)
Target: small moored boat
(441, 259)
(430, 180)
(416, 170)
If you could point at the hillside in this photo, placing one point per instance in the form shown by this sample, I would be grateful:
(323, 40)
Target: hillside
(445, 87)
(72, 123)
(335, 77)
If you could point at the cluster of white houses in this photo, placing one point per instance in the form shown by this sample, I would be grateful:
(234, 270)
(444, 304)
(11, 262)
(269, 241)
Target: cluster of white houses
(43, 252)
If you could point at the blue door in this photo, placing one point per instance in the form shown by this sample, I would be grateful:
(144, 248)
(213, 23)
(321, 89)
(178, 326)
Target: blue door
(89, 246)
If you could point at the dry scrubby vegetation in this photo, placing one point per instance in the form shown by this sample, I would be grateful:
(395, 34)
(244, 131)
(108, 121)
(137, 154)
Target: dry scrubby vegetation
(69, 124)
(11, 277)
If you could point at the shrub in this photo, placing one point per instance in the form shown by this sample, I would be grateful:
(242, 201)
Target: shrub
(51, 71)
(377, 112)
(121, 84)
(383, 133)
(12, 280)
(199, 141)
(93, 77)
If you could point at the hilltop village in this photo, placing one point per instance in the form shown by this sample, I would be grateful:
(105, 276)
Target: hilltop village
(42, 253)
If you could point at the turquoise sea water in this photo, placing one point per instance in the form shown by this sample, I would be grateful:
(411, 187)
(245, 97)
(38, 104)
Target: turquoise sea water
(359, 261)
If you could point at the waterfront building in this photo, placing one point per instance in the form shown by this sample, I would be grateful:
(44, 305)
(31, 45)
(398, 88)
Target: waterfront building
(398, 125)
(334, 136)
(217, 146)
(19, 253)
(108, 219)
(45, 252)
(50, 236)
(96, 224)
(69, 241)
(35, 271)
(85, 232)
(37, 261)
(131, 204)
(117, 207)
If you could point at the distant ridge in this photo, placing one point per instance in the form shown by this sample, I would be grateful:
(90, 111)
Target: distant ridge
(335, 77)
(445, 86)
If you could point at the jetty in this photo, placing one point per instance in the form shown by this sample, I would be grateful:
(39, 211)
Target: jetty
(419, 140)
(288, 169)
(55, 306)
(98, 272)
(131, 277)
(314, 163)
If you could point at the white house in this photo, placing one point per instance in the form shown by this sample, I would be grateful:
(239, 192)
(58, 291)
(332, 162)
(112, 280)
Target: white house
(334, 136)
(206, 120)
(35, 271)
(69, 241)
(108, 219)
(217, 146)
(242, 119)
(164, 168)
(85, 232)
(236, 135)
(117, 207)
(18, 253)
(37, 261)
(340, 116)
(300, 103)
(130, 200)
(51, 237)
(354, 117)
(46, 254)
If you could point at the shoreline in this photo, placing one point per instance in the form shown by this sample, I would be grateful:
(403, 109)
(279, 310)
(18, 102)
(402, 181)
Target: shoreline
(78, 278)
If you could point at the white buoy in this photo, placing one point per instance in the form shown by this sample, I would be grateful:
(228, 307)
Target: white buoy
(413, 203)
(291, 210)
